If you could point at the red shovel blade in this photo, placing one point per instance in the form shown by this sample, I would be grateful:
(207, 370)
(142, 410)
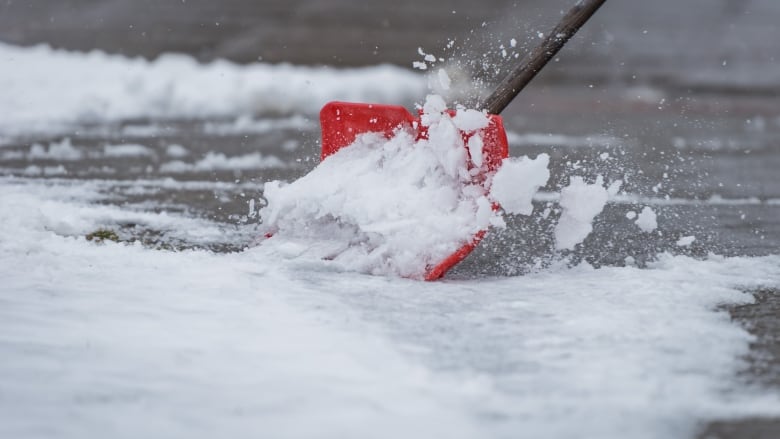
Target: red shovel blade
(342, 122)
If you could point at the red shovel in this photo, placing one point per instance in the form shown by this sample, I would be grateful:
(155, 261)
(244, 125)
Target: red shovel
(342, 122)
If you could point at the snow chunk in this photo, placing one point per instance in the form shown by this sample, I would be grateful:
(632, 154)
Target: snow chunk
(444, 79)
(516, 182)
(685, 241)
(647, 220)
(470, 120)
(475, 150)
(432, 109)
(581, 202)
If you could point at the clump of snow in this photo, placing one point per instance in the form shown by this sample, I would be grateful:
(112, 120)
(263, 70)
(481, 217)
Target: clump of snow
(647, 220)
(518, 180)
(393, 206)
(686, 241)
(581, 202)
(470, 120)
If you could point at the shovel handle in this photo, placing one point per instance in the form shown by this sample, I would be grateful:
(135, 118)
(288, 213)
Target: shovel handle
(529, 66)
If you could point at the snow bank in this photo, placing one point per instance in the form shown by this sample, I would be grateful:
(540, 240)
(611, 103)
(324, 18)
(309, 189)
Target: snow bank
(42, 86)
(118, 339)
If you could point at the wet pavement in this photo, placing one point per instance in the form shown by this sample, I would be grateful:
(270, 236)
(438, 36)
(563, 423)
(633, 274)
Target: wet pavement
(680, 102)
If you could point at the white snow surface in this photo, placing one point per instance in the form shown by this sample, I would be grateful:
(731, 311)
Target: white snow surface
(123, 341)
(43, 87)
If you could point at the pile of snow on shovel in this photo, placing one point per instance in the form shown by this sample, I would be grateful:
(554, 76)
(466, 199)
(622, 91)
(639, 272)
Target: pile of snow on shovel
(398, 205)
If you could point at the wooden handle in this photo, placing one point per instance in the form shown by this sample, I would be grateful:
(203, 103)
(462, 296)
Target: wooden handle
(529, 66)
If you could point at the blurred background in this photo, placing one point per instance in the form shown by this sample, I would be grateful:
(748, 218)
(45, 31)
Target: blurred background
(697, 43)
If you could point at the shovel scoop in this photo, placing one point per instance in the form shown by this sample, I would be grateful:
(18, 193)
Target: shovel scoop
(343, 122)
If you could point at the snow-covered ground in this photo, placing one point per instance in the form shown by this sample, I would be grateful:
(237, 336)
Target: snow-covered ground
(121, 340)
(132, 340)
